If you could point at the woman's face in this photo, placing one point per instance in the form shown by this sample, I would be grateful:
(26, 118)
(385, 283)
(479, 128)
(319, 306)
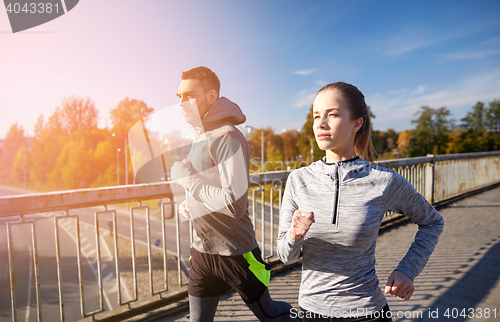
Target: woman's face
(333, 128)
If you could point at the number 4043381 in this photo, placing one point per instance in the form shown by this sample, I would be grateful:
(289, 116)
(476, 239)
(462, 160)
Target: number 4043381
(479, 313)
(33, 8)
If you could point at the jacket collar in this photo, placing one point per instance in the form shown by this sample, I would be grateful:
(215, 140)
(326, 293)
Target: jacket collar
(343, 167)
(222, 112)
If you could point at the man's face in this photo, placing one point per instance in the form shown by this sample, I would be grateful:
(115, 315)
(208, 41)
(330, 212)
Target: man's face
(194, 101)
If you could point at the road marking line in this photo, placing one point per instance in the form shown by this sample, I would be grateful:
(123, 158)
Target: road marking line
(110, 275)
(105, 294)
(114, 288)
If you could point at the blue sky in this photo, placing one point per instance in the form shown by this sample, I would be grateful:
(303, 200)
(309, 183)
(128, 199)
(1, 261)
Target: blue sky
(271, 56)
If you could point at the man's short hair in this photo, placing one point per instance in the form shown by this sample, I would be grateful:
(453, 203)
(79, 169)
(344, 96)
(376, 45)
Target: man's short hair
(207, 77)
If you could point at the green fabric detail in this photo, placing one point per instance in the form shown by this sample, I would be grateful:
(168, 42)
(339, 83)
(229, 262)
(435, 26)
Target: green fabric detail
(257, 268)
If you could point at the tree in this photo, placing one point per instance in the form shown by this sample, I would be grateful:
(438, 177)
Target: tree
(431, 133)
(474, 120)
(379, 141)
(127, 113)
(76, 165)
(307, 140)
(47, 145)
(477, 124)
(105, 160)
(384, 143)
(456, 141)
(62, 154)
(493, 123)
(290, 148)
(21, 163)
(123, 117)
(13, 141)
(421, 136)
(442, 128)
(273, 149)
(78, 114)
(402, 142)
(274, 158)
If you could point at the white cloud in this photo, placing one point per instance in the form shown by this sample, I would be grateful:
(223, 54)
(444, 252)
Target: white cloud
(403, 45)
(304, 98)
(320, 83)
(470, 55)
(420, 90)
(407, 41)
(305, 72)
(482, 50)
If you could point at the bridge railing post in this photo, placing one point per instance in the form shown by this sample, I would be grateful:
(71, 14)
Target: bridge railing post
(429, 179)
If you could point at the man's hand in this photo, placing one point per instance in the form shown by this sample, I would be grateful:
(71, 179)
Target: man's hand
(184, 210)
(301, 222)
(399, 285)
(180, 170)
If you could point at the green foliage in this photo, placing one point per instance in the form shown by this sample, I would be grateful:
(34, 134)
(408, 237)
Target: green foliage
(280, 151)
(47, 145)
(12, 143)
(78, 114)
(290, 148)
(435, 132)
(492, 121)
(385, 144)
(306, 140)
(481, 129)
(69, 151)
(21, 162)
(431, 134)
(127, 113)
(475, 119)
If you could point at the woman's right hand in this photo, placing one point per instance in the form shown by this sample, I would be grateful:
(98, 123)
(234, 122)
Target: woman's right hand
(301, 222)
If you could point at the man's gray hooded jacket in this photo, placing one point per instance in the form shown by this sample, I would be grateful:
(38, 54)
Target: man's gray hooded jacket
(217, 188)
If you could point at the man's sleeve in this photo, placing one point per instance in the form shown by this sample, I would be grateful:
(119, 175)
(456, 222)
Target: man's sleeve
(229, 195)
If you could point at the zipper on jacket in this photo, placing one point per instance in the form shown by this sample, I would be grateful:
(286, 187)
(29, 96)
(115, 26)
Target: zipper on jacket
(337, 193)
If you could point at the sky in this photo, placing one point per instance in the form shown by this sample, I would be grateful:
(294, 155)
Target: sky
(271, 56)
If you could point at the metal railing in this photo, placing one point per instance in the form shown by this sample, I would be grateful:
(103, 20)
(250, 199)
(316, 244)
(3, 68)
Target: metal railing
(438, 178)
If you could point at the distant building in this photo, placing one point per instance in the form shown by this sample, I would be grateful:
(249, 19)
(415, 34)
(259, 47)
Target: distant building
(154, 135)
(246, 130)
(176, 134)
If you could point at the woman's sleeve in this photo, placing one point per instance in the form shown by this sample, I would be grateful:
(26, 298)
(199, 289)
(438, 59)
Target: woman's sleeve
(404, 199)
(288, 249)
